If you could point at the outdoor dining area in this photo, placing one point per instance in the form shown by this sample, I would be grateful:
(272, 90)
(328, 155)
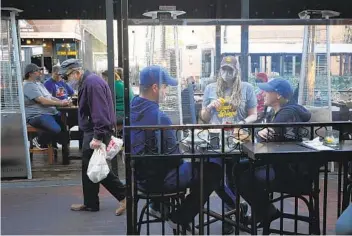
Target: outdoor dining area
(242, 153)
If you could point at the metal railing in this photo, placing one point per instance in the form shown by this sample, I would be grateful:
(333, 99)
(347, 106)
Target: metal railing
(200, 145)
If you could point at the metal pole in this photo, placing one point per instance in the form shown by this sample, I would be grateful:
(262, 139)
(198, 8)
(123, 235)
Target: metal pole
(217, 49)
(111, 59)
(127, 137)
(328, 62)
(109, 4)
(177, 55)
(119, 35)
(304, 70)
(20, 90)
(244, 40)
(218, 38)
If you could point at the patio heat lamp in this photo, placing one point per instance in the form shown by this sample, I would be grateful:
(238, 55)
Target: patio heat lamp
(162, 49)
(15, 160)
(315, 79)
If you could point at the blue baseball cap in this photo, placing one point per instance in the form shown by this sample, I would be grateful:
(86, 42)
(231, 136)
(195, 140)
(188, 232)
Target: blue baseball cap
(280, 86)
(156, 75)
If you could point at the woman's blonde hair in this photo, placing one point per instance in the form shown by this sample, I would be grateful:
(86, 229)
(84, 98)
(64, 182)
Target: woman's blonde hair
(236, 94)
(116, 76)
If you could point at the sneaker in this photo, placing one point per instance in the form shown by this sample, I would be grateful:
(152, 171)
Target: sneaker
(81, 207)
(37, 145)
(228, 228)
(182, 228)
(155, 211)
(272, 215)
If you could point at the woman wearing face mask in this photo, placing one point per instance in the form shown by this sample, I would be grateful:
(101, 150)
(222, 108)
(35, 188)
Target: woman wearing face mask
(229, 101)
(40, 107)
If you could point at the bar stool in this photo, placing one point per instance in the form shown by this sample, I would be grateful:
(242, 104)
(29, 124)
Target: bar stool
(169, 199)
(309, 194)
(32, 133)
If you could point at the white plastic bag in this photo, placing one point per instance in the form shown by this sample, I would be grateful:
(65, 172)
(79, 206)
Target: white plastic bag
(98, 168)
(113, 148)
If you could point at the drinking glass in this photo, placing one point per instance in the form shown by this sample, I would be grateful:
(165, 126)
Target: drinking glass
(332, 138)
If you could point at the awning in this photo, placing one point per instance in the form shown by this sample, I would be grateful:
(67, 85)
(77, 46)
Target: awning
(195, 9)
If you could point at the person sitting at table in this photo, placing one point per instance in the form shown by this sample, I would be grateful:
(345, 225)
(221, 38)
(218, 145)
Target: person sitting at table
(57, 86)
(119, 95)
(344, 222)
(260, 78)
(229, 101)
(166, 174)
(40, 108)
(96, 118)
(277, 95)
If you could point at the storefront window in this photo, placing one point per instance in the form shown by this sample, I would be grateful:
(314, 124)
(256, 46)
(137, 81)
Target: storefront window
(66, 51)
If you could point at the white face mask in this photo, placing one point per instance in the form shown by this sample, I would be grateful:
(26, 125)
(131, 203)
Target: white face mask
(74, 78)
(227, 76)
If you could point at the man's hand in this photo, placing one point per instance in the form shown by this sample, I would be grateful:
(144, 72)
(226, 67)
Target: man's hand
(95, 143)
(65, 103)
(266, 133)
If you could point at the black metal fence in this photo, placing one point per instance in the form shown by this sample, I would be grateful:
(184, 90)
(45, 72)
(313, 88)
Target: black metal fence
(170, 181)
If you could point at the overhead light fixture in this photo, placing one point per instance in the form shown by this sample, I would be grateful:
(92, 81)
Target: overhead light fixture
(44, 44)
(28, 41)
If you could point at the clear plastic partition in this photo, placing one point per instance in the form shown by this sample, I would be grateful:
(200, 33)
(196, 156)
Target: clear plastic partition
(315, 54)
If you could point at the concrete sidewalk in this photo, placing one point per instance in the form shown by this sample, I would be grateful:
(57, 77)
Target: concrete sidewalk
(42, 207)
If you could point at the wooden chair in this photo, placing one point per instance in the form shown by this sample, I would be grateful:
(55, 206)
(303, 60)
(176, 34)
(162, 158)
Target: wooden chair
(32, 133)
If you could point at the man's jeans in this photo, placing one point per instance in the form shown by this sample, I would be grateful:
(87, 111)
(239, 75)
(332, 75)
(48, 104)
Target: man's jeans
(225, 192)
(51, 125)
(187, 176)
(91, 190)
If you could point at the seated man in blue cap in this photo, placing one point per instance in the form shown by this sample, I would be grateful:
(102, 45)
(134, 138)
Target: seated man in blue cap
(278, 95)
(167, 174)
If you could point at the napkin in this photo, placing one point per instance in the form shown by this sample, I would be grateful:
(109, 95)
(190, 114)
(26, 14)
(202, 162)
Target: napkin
(316, 144)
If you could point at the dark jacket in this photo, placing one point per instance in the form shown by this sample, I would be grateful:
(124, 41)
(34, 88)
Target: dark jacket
(96, 112)
(290, 113)
(143, 113)
(303, 171)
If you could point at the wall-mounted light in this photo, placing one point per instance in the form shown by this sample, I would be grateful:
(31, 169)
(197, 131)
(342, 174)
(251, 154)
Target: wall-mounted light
(44, 44)
(28, 41)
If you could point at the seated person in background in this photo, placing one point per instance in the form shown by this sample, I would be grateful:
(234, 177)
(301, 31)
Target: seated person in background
(119, 95)
(261, 109)
(192, 81)
(344, 223)
(40, 107)
(277, 95)
(57, 86)
(167, 174)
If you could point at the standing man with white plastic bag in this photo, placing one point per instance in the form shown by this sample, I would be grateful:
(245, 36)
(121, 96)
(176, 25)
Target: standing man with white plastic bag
(96, 118)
